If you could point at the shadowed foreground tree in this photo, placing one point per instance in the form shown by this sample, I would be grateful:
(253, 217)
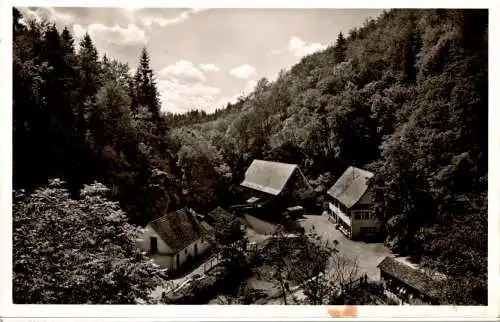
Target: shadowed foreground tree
(327, 272)
(278, 253)
(231, 243)
(318, 269)
(68, 251)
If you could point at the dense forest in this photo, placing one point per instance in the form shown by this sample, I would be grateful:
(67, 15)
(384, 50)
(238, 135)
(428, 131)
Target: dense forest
(404, 96)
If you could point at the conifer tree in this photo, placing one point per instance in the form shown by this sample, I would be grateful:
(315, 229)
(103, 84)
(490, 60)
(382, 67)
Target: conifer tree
(58, 92)
(411, 49)
(340, 49)
(88, 64)
(145, 91)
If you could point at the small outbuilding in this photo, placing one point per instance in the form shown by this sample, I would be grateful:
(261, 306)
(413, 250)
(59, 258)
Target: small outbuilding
(408, 285)
(178, 237)
(295, 211)
(219, 216)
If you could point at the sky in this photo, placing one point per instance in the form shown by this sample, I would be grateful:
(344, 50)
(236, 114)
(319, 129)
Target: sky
(205, 58)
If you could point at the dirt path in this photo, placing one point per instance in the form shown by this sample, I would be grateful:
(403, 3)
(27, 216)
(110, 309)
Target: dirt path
(172, 284)
(368, 255)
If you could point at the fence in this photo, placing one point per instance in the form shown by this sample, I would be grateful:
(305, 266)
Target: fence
(215, 260)
(211, 263)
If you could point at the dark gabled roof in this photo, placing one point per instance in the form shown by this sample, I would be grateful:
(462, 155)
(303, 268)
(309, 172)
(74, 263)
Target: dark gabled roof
(178, 229)
(413, 277)
(351, 186)
(268, 176)
(220, 215)
(209, 229)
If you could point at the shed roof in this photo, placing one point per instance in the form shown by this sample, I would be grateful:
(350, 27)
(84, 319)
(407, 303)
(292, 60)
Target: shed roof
(252, 200)
(351, 186)
(178, 229)
(206, 226)
(410, 276)
(268, 176)
(220, 215)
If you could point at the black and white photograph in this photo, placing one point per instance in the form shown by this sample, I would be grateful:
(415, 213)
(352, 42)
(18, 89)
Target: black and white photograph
(250, 156)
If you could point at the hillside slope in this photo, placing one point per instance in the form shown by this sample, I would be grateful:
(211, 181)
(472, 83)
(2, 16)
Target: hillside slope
(406, 97)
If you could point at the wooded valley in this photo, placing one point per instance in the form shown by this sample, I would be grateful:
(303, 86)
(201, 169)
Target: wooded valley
(405, 97)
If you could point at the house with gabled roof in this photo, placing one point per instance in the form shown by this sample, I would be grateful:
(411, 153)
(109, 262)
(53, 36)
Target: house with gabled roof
(178, 237)
(275, 180)
(408, 284)
(350, 204)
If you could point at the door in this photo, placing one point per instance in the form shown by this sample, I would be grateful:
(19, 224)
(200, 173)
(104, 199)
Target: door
(368, 231)
(153, 245)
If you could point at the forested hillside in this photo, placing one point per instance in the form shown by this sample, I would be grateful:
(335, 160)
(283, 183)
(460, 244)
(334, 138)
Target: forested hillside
(405, 96)
(81, 118)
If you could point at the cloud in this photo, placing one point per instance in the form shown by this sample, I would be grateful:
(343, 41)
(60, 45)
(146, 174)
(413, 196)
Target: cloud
(233, 99)
(47, 13)
(150, 20)
(183, 70)
(223, 101)
(243, 72)
(275, 52)
(249, 87)
(130, 35)
(78, 32)
(300, 48)
(198, 10)
(209, 67)
(182, 88)
(179, 97)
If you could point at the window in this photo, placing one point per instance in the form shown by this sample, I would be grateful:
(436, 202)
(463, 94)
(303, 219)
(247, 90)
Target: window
(185, 251)
(366, 215)
(362, 214)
